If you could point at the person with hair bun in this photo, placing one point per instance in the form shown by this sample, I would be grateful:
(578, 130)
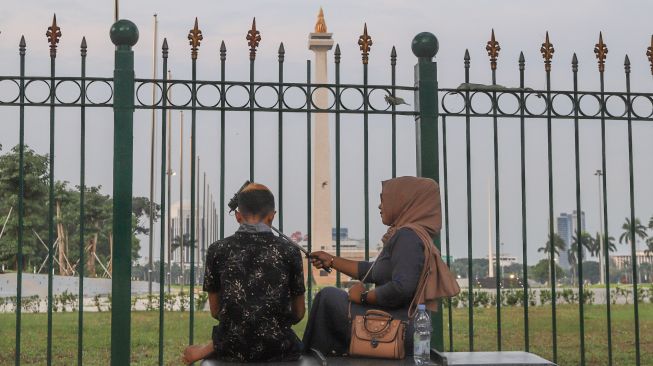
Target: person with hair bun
(255, 282)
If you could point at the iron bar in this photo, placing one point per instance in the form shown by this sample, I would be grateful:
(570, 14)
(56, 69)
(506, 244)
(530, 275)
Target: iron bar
(164, 205)
(522, 139)
(309, 214)
(337, 56)
(223, 97)
(468, 157)
(150, 267)
(445, 185)
(281, 57)
(393, 72)
(82, 214)
(21, 197)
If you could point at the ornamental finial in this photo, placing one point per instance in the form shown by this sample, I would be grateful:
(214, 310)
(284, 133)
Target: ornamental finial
(195, 37)
(601, 51)
(253, 39)
(53, 34)
(320, 26)
(547, 51)
(493, 49)
(365, 43)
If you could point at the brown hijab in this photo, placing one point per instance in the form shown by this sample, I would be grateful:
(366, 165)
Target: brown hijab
(414, 203)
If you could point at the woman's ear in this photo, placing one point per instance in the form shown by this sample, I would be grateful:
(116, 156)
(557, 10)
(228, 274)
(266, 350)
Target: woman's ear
(239, 217)
(269, 218)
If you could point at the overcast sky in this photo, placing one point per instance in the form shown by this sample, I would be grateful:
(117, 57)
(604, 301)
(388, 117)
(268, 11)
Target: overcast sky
(519, 26)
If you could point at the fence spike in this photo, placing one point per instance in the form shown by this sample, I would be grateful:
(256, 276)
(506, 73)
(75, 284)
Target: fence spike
(393, 56)
(164, 48)
(522, 60)
(574, 63)
(365, 43)
(83, 47)
(253, 39)
(547, 51)
(601, 52)
(467, 59)
(493, 49)
(53, 34)
(649, 53)
(337, 54)
(282, 52)
(195, 38)
(627, 64)
(223, 51)
(22, 46)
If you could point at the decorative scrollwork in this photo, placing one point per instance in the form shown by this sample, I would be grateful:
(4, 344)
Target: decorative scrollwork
(547, 51)
(493, 49)
(601, 52)
(649, 54)
(53, 34)
(365, 43)
(253, 39)
(195, 37)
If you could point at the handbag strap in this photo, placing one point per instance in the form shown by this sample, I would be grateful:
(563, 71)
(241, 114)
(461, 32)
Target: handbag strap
(363, 280)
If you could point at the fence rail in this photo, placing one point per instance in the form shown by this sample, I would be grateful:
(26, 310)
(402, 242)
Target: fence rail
(435, 109)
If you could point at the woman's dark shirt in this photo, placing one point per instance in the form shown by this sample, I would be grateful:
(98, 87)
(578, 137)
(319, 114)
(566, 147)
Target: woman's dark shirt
(397, 270)
(256, 275)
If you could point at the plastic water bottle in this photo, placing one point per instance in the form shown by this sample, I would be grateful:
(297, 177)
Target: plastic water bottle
(422, 337)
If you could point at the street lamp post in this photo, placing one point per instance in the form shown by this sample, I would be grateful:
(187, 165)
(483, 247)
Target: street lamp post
(598, 175)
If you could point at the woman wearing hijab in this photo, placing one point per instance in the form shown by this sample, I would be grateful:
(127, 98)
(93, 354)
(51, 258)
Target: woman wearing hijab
(408, 271)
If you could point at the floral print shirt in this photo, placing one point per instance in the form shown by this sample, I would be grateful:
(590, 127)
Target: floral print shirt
(256, 274)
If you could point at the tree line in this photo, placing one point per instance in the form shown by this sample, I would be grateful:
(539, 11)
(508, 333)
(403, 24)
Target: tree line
(98, 240)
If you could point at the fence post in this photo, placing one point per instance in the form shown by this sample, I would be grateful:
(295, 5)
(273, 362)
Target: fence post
(425, 47)
(124, 34)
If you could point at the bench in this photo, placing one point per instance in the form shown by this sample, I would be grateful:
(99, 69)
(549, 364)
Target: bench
(510, 358)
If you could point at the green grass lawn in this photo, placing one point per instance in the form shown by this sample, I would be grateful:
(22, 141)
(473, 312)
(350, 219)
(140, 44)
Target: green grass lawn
(145, 335)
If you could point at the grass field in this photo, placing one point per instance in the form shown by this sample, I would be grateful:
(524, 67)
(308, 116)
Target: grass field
(145, 335)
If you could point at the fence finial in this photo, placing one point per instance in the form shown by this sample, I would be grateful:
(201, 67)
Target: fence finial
(649, 53)
(574, 63)
(601, 51)
(22, 46)
(223, 51)
(124, 33)
(53, 34)
(253, 39)
(365, 43)
(493, 49)
(164, 48)
(627, 65)
(337, 54)
(466, 58)
(547, 51)
(521, 61)
(425, 45)
(282, 52)
(393, 56)
(195, 37)
(82, 47)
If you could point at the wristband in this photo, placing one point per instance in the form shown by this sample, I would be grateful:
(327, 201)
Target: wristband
(364, 298)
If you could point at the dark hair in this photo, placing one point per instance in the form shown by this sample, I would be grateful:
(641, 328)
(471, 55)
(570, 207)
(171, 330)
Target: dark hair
(258, 202)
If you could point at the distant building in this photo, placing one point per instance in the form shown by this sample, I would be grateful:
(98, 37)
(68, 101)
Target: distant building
(505, 260)
(566, 228)
(622, 261)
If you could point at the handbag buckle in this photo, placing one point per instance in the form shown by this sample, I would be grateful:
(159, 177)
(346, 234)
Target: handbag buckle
(374, 342)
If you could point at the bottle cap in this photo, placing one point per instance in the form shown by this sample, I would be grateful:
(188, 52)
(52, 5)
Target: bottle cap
(421, 307)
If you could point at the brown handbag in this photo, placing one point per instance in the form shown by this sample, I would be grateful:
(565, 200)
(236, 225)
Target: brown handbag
(376, 334)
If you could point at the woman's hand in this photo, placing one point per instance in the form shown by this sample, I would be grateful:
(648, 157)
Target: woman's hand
(322, 259)
(355, 292)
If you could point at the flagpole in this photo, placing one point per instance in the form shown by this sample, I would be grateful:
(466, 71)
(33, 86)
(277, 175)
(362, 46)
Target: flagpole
(181, 196)
(170, 173)
(115, 14)
(152, 158)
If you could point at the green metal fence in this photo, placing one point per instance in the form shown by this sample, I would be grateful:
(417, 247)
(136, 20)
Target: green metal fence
(433, 111)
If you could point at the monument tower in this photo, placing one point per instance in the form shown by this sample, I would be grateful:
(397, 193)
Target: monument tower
(320, 42)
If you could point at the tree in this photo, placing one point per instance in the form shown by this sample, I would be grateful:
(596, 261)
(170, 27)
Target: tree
(585, 243)
(595, 248)
(540, 271)
(628, 228)
(559, 245)
(591, 271)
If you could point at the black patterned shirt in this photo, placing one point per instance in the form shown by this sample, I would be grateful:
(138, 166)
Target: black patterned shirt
(256, 274)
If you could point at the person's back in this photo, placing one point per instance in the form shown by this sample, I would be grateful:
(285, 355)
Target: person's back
(255, 283)
(257, 277)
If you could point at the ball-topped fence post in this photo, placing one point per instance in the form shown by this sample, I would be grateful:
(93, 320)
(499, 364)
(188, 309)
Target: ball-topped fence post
(124, 34)
(425, 46)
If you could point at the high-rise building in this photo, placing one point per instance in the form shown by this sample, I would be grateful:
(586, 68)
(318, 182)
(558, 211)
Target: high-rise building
(566, 229)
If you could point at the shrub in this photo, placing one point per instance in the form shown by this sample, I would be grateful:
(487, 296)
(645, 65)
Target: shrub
(588, 296)
(513, 297)
(183, 301)
(201, 300)
(545, 297)
(96, 302)
(169, 301)
(152, 303)
(569, 296)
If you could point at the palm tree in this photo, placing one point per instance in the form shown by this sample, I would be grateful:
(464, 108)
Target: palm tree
(595, 247)
(586, 242)
(558, 245)
(628, 228)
